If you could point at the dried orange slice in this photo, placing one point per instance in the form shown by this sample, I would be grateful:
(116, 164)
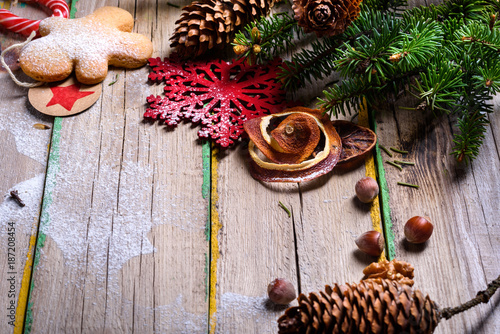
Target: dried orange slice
(357, 143)
(298, 144)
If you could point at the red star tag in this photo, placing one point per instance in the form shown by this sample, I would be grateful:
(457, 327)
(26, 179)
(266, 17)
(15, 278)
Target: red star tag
(67, 96)
(64, 98)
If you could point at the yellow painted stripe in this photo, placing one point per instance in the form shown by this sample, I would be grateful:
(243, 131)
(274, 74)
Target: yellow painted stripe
(22, 299)
(214, 242)
(5, 4)
(371, 172)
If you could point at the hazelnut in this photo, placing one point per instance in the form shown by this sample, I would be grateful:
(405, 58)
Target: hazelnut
(281, 291)
(418, 229)
(371, 243)
(366, 189)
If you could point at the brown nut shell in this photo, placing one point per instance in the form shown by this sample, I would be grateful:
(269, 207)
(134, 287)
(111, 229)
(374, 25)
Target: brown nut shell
(418, 229)
(395, 270)
(281, 291)
(371, 243)
(289, 167)
(357, 143)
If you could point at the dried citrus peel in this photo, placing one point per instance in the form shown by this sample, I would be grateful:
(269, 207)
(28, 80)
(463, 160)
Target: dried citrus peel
(281, 171)
(357, 142)
(298, 135)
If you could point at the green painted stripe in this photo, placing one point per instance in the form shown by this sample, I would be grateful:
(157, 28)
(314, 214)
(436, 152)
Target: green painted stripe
(205, 192)
(205, 187)
(383, 195)
(50, 185)
(72, 11)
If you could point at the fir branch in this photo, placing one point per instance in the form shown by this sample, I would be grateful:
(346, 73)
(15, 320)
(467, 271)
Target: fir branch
(371, 54)
(309, 64)
(488, 77)
(447, 55)
(341, 99)
(466, 10)
(480, 34)
(346, 97)
(473, 110)
(440, 86)
(273, 35)
(318, 62)
(417, 46)
(427, 13)
(467, 142)
(385, 5)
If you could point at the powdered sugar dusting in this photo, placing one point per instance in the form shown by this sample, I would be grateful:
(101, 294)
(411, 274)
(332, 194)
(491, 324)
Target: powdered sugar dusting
(20, 222)
(259, 309)
(25, 218)
(174, 318)
(29, 141)
(112, 235)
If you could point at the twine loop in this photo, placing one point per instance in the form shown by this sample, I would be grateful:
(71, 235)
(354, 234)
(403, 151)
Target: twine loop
(7, 68)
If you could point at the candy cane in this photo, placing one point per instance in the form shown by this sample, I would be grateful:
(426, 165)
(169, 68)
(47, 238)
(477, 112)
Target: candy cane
(25, 26)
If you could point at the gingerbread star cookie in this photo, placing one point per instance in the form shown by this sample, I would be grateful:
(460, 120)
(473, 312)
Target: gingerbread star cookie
(87, 45)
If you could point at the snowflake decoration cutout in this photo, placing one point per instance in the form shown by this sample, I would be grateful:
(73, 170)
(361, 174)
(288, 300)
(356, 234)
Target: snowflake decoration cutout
(219, 95)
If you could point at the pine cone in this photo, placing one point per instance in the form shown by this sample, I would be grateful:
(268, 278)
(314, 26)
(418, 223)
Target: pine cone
(367, 307)
(325, 17)
(212, 24)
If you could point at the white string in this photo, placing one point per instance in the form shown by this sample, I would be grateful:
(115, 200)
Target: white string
(7, 68)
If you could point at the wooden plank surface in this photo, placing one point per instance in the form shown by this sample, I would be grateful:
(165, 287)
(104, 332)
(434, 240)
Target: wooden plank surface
(462, 256)
(129, 241)
(256, 245)
(23, 158)
(460, 259)
(123, 245)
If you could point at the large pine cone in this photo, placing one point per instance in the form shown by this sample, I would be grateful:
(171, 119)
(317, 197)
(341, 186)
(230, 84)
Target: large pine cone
(212, 24)
(326, 17)
(367, 307)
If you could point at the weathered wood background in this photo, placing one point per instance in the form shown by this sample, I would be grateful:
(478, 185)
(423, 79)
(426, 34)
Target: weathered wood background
(146, 230)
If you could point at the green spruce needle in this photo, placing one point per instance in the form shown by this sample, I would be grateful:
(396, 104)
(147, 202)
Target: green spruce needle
(398, 151)
(404, 162)
(408, 185)
(395, 165)
(114, 81)
(285, 208)
(354, 116)
(173, 5)
(385, 150)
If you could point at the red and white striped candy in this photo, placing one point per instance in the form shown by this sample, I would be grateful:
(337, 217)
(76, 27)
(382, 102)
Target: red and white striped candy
(26, 26)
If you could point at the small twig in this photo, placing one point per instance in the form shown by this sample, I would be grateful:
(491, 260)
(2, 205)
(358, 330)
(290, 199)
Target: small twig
(395, 165)
(385, 150)
(408, 185)
(15, 195)
(398, 151)
(404, 162)
(285, 208)
(481, 297)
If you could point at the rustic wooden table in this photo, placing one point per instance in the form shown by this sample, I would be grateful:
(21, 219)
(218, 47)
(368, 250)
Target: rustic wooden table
(129, 227)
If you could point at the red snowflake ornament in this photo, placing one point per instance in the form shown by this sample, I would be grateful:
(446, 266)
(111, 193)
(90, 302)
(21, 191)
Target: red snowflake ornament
(220, 95)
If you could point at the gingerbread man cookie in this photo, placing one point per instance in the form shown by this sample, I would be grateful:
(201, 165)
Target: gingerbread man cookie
(87, 45)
